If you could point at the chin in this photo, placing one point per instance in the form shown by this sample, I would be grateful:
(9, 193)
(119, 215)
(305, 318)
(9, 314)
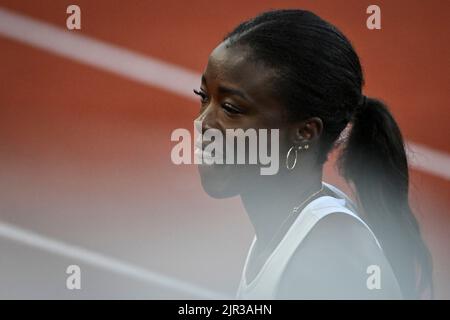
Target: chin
(216, 181)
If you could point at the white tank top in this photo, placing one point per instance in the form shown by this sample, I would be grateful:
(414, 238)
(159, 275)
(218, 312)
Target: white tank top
(265, 283)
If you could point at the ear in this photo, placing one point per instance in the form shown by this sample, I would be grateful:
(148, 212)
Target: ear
(308, 130)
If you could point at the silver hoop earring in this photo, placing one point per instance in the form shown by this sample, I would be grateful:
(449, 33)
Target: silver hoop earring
(306, 147)
(287, 158)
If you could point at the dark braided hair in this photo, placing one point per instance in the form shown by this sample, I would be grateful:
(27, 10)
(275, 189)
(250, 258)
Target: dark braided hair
(319, 75)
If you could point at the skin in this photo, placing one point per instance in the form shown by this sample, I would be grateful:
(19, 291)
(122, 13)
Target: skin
(238, 92)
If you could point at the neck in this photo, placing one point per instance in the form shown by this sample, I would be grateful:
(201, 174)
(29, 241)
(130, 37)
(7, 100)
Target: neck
(269, 205)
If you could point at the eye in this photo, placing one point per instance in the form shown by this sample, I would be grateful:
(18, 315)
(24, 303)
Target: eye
(202, 95)
(230, 109)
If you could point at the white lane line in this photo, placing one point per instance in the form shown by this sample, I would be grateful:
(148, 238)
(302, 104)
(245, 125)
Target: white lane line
(428, 160)
(98, 54)
(150, 71)
(57, 247)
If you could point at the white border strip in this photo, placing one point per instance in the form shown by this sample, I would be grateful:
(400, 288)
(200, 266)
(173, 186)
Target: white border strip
(57, 247)
(151, 71)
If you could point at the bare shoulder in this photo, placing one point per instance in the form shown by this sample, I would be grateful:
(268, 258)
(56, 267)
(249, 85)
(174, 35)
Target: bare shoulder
(333, 261)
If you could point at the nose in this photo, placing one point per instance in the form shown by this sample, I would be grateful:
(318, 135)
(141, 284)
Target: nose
(207, 119)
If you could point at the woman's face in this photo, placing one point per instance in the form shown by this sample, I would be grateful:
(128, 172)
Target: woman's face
(237, 93)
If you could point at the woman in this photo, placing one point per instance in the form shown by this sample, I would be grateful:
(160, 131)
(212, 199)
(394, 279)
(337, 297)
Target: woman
(290, 70)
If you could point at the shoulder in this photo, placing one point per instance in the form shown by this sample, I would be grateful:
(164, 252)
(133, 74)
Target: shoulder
(341, 230)
(332, 261)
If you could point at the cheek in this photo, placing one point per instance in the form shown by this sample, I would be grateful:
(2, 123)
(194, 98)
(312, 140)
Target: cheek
(282, 145)
(222, 181)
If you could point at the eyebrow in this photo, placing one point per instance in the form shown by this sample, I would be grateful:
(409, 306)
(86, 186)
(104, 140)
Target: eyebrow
(227, 90)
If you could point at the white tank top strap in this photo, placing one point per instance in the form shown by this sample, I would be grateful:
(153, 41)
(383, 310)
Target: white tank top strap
(264, 285)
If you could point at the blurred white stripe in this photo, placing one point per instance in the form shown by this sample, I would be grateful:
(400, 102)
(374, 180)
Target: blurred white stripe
(73, 45)
(57, 247)
(431, 161)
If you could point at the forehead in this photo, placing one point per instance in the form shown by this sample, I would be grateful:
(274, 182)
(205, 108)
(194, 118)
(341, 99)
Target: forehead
(234, 66)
